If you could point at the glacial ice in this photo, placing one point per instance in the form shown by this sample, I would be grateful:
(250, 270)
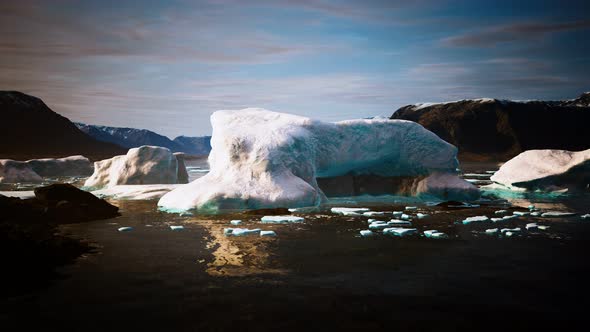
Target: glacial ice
(349, 211)
(545, 170)
(405, 217)
(268, 233)
(531, 226)
(521, 213)
(447, 186)
(398, 231)
(397, 214)
(398, 222)
(135, 192)
(142, 165)
(501, 211)
(263, 159)
(373, 213)
(280, 219)
(378, 225)
(492, 231)
(12, 171)
(410, 208)
(557, 214)
(469, 220)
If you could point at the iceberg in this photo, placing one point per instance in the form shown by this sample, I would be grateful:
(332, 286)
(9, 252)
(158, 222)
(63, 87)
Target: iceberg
(397, 214)
(397, 231)
(434, 234)
(235, 222)
(68, 166)
(421, 215)
(378, 225)
(142, 165)
(176, 228)
(398, 222)
(373, 213)
(410, 208)
(469, 220)
(531, 226)
(12, 171)
(492, 231)
(268, 233)
(448, 187)
(349, 211)
(125, 229)
(366, 233)
(240, 231)
(501, 212)
(546, 170)
(521, 213)
(135, 192)
(281, 219)
(262, 159)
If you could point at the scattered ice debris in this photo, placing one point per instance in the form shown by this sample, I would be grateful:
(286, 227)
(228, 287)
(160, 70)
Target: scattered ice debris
(397, 231)
(496, 219)
(373, 213)
(421, 215)
(531, 226)
(543, 227)
(349, 211)
(378, 225)
(469, 220)
(510, 233)
(125, 229)
(556, 214)
(240, 231)
(501, 212)
(405, 217)
(367, 233)
(281, 219)
(492, 231)
(398, 222)
(235, 222)
(434, 234)
(397, 214)
(514, 216)
(520, 213)
(268, 233)
(371, 220)
(513, 230)
(536, 214)
(411, 208)
(586, 216)
(176, 228)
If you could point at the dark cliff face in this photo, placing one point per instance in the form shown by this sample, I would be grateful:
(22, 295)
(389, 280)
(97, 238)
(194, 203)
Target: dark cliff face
(490, 129)
(131, 138)
(30, 129)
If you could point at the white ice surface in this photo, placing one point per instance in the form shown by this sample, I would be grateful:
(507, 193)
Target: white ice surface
(280, 219)
(136, 192)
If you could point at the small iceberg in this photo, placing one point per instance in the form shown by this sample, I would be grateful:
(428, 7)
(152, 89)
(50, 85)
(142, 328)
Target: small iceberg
(513, 230)
(373, 213)
(434, 234)
(520, 213)
(235, 222)
(398, 222)
(411, 208)
(496, 219)
(240, 231)
(586, 216)
(501, 212)
(536, 214)
(397, 231)
(125, 229)
(268, 233)
(176, 228)
(531, 227)
(367, 233)
(281, 219)
(469, 220)
(349, 211)
(421, 215)
(397, 214)
(492, 231)
(378, 225)
(543, 227)
(532, 207)
(405, 217)
(514, 216)
(556, 214)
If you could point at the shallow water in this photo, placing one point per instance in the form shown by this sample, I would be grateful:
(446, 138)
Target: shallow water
(318, 273)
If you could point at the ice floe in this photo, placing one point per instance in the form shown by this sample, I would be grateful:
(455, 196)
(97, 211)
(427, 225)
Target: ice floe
(176, 228)
(557, 214)
(398, 231)
(240, 231)
(434, 234)
(268, 233)
(281, 219)
(470, 220)
(367, 233)
(235, 222)
(125, 229)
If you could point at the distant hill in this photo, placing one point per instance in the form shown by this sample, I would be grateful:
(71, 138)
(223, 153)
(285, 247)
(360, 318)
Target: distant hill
(492, 129)
(131, 138)
(30, 129)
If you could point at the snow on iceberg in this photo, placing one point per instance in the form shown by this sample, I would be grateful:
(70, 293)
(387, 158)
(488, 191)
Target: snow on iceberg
(263, 159)
(547, 170)
(142, 165)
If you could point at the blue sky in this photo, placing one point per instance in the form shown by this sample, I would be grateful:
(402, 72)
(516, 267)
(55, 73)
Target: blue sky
(167, 65)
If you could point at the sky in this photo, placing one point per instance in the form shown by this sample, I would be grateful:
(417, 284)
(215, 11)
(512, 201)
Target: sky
(167, 65)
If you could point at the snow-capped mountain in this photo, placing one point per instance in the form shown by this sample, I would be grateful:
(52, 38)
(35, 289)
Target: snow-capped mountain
(131, 138)
(500, 129)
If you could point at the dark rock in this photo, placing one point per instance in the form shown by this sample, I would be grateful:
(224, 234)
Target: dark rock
(500, 129)
(29, 129)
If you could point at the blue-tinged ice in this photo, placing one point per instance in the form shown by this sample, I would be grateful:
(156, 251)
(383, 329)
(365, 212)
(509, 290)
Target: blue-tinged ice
(268, 233)
(434, 234)
(520, 213)
(501, 212)
(176, 228)
(367, 233)
(492, 231)
(346, 211)
(421, 215)
(470, 220)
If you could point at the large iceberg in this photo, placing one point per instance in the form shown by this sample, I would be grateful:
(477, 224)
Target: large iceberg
(12, 171)
(69, 166)
(142, 165)
(545, 170)
(266, 159)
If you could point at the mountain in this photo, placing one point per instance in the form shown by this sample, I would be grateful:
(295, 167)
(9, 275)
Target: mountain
(29, 129)
(492, 129)
(131, 138)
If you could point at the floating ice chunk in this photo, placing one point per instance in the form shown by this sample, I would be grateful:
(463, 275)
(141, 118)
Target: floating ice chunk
(497, 219)
(532, 207)
(586, 216)
(492, 231)
(405, 217)
(513, 230)
(535, 214)
(268, 233)
(371, 220)
(185, 214)
(501, 212)
(469, 220)
(373, 213)
(378, 225)
(349, 211)
(421, 215)
(125, 229)
(176, 228)
(434, 234)
(531, 226)
(476, 175)
(514, 216)
(280, 219)
(411, 208)
(520, 213)
(367, 233)
(398, 222)
(307, 209)
(235, 222)
(491, 172)
(510, 233)
(397, 214)
(556, 214)
(543, 227)
(240, 231)
(397, 231)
